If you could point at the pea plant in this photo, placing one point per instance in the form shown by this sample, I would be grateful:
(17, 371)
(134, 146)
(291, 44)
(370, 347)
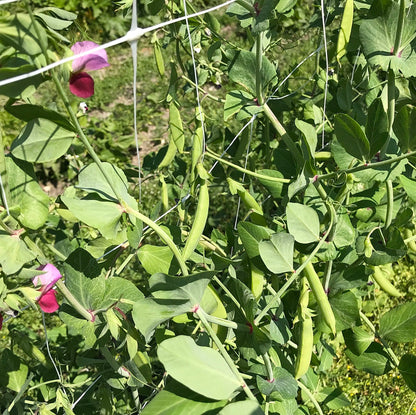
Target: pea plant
(284, 200)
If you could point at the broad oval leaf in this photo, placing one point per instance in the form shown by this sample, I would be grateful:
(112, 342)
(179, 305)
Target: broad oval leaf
(41, 140)
(200, 369)
(407, 368)
(277, 254)
(242, 408)
(399, 324)
(302, 222)
(155, 258)
(351, 137)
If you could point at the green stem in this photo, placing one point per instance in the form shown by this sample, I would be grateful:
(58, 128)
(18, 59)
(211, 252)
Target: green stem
(291, 145)
(295, 274)
(327, 275)
(311, 397)
(269, 368)
(229, 293)
(399, 30)
(201, 314)
(5, 191)
(390, 198)
(207, 94)
(226, 323)
(214, 156)
(259, 60)
(370, 325)
(366, 166)
(162, 234)
(74, 302)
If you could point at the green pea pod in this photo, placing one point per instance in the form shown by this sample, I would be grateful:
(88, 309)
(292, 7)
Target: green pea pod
(200, 219)
(380, 276)
(346, 26)
(305, 347)
(164, 193)
(197, 146)
(368, 247)
(320, 296)
(26, 344)
(159, 58)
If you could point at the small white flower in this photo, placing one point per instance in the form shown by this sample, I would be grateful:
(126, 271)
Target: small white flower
(83, 107)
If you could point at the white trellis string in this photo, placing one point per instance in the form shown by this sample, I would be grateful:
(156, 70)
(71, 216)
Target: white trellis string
(133, 45)
(195, 78)
(86, 391)
(6, 2)
(130, 36)
(326, 71)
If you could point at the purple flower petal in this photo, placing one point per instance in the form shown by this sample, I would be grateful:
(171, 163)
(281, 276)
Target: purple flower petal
(81, 84)
(91, 62)
(47, 302)
(48, 279)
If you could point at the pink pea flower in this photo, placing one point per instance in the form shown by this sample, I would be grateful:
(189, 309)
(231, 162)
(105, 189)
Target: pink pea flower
(80, 83)
(47, 300)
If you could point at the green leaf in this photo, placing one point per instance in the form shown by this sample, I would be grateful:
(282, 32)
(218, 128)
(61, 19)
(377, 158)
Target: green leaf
(23, 88)
(302, 222)
(346, 310)
(172, 296)
(399, 324)
(378, 36)
(251, 235)
(54, 22)
(277, 254)
(235, 101)
(352, 137)
(344, 231)
(357, 339)
(200, 369)
(19, 32)
(404, 127)
(242, 70)
(283, 386)
(374, 360)
(13, 371)
(407, 368)
(155, 258)
(377, 127)
(104, 216)
(274, 188)
(92, 180)
(333, 398)
(409, 186)
(41, 140)
(242, 408)
(28, 112)
(175, 399)
(26, 194)
(13, 254)
(309, 136)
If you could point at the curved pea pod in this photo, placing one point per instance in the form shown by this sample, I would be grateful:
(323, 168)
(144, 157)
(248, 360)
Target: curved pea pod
(380, 276)
(200, 219)
(305, 347)
(257, 281)
(176, 135)
(346, 27)
(197, 145)
(26, 344)
(248, 201)
(320, 296)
